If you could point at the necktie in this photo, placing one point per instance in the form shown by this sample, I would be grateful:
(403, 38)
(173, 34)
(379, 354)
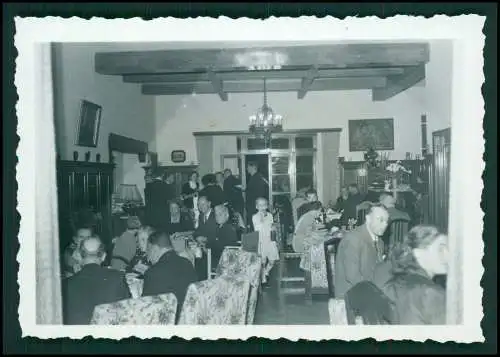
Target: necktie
(377, 249)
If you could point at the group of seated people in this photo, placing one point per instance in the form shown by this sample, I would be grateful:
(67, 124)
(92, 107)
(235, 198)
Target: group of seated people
(95, 282)
(150, 254)
(397, 288)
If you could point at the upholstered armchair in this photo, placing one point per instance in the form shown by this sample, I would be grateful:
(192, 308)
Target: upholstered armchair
(219, 301)
(237, 262)
(148, 310)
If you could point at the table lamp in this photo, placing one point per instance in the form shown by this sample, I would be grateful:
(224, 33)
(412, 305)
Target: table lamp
(130, 197)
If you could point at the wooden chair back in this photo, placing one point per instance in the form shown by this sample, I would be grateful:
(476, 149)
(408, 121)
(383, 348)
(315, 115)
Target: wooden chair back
(361, 211)
(398, 229)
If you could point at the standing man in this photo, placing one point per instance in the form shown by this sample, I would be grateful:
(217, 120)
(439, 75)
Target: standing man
(158, 193)
(360, 251)
(257, 187)
(233, 191)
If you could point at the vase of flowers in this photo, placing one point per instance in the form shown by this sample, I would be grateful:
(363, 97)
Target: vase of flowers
(396, 171)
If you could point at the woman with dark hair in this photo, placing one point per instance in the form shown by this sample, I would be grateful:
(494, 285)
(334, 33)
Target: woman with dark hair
(178, 221)
(417, 299)
(212, 190)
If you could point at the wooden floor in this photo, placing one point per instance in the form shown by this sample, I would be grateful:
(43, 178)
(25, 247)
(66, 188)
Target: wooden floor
(276, 308)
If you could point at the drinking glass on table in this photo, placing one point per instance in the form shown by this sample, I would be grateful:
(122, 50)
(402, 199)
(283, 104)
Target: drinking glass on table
(134, 284)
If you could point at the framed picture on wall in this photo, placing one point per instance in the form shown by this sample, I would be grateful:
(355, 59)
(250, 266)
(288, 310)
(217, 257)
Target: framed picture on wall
(371, 133)
(178, 156)
(88, 124)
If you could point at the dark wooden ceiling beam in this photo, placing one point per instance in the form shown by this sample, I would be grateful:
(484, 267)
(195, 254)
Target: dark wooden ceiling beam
(399, 83)
(273, 74)
(321, 84)
(335, 55)
(307, 81)
(217, 85)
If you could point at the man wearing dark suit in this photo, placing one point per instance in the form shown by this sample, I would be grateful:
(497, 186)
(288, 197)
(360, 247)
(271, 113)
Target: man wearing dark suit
(158, 193)
(232, 191)
(91, 286)
(205, 234)
(257, 187)
(360, 250)
(225, 235)
(169, 273)
(350, 204)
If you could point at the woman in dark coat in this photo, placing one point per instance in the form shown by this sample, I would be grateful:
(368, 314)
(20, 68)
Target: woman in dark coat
(212, 190)
(417, 299)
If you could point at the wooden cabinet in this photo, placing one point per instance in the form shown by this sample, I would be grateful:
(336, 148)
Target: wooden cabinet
(84, 185)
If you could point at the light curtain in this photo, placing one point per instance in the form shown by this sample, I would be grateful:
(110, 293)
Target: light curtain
(48, 283)
(327, 176)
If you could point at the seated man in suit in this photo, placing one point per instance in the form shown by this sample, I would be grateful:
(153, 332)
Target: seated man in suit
(92, 285)
(169, 273)
(350, 204)
(205, 234)
(225, 235)
(360, 250)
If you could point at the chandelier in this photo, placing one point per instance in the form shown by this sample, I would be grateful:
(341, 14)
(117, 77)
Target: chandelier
(265, 122)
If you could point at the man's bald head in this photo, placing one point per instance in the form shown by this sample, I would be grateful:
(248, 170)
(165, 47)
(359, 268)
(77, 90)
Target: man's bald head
(92, 249)
(387, 200)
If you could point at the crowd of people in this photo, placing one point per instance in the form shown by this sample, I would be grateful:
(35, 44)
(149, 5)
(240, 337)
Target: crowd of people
(213, 211)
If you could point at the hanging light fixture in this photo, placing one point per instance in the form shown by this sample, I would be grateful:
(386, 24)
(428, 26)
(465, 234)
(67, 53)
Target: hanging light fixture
(265, 122)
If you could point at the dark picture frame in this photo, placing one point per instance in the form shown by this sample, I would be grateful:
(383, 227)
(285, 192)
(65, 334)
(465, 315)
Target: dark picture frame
(371, 133)
(88, 124)
(178, 156)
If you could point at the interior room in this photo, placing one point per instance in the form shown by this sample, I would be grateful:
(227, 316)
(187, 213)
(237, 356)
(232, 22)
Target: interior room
(373, 115)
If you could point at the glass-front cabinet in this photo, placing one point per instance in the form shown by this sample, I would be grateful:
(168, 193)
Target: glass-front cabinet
(288, 162)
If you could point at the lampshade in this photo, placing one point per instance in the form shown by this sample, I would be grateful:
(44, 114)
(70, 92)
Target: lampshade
(129, 193)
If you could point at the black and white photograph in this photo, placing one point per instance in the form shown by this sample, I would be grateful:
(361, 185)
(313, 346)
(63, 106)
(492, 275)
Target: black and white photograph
(306, 189)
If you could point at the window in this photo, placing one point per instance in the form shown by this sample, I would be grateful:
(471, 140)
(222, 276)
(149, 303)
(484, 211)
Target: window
(304, 142)
(281, 178)
(256, 144)
(304, 171)
(280, 143)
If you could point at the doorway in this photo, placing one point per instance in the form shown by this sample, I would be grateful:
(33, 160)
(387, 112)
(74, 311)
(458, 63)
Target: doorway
(262, 161)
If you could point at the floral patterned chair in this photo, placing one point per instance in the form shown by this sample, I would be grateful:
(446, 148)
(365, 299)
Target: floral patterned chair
(219, 301)
(149, 310)
(337, 312)
(237, 262)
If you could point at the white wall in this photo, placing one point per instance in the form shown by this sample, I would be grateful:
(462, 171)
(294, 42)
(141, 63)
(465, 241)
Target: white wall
(133, 173)
(177, 117)
(438, 91)
(125, 111)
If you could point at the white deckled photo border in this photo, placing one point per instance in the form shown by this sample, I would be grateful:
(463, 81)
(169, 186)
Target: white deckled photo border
(467, 143)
